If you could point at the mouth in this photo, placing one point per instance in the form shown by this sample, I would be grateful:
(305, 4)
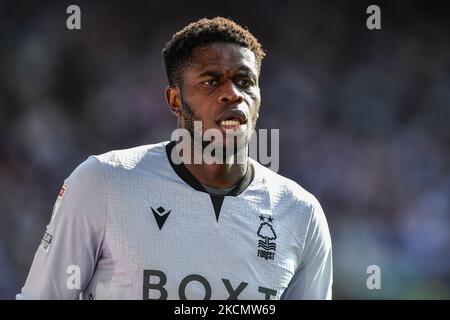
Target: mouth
(232, 120)
(232, 124)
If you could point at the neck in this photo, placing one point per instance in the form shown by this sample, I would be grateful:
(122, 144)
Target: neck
(218, 175)
(237, 176)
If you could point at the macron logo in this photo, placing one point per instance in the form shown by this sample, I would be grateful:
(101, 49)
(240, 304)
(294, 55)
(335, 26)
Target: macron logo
(160, 216)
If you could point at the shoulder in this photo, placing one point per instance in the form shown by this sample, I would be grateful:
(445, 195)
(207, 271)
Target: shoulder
(302, 210)
(97, 168)
(285, 189)
(86, 173)
(131, 158)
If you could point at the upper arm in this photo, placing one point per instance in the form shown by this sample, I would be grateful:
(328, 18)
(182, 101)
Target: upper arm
(66, 257)
(314, 277)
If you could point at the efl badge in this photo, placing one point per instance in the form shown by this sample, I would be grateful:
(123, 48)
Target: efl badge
(59, 199)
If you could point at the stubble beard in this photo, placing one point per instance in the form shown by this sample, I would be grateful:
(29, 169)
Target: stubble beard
(189, 117)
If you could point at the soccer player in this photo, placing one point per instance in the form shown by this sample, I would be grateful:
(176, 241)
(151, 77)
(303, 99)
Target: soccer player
(145, 223)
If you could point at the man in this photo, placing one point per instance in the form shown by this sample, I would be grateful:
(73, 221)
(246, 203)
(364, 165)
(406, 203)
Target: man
(149, 223)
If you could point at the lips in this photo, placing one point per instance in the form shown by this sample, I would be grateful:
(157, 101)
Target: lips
(232, 119)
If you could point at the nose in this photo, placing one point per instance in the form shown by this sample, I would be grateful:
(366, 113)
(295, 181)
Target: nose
(230, 93)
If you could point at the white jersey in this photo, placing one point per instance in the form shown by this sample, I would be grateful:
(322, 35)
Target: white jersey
(131, 224)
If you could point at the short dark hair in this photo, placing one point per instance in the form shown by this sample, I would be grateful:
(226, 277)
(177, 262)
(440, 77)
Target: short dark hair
(177, 53)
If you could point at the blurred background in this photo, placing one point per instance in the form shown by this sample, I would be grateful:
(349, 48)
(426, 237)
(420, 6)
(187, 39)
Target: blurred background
(363, 117)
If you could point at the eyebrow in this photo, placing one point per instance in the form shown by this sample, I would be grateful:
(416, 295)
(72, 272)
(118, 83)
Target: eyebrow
(243, 71)
(247, 72)
(210, 73)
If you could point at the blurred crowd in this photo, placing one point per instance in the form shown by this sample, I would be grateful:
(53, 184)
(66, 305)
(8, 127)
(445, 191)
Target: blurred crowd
(363, 118)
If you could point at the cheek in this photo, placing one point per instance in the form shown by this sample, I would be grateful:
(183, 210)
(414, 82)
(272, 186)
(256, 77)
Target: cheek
(255, 100)
(206, 112)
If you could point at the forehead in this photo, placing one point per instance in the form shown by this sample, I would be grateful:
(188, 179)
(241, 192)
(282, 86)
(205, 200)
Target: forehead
(223, 57)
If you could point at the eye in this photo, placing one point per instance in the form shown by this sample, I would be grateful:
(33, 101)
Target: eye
(209, 83)
(244, 82)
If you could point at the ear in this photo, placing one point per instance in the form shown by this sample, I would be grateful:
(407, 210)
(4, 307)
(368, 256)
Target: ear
(173, 99)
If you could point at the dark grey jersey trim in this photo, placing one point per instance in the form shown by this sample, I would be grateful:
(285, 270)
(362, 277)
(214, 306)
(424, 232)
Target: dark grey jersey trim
(217, 202)
(187, 177)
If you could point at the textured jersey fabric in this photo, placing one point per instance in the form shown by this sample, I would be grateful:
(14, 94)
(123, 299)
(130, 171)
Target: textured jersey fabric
(131, 224)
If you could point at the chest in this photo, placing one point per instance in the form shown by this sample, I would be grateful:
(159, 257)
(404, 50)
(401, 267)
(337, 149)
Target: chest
(174, 247)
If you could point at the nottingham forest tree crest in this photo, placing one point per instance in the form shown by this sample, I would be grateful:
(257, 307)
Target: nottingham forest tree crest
(267, 246)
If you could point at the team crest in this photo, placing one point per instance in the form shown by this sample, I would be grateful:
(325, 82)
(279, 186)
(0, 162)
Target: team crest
(266, 246)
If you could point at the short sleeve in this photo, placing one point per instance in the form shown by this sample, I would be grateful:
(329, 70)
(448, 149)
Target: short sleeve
(72, 243)
(314, 278)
